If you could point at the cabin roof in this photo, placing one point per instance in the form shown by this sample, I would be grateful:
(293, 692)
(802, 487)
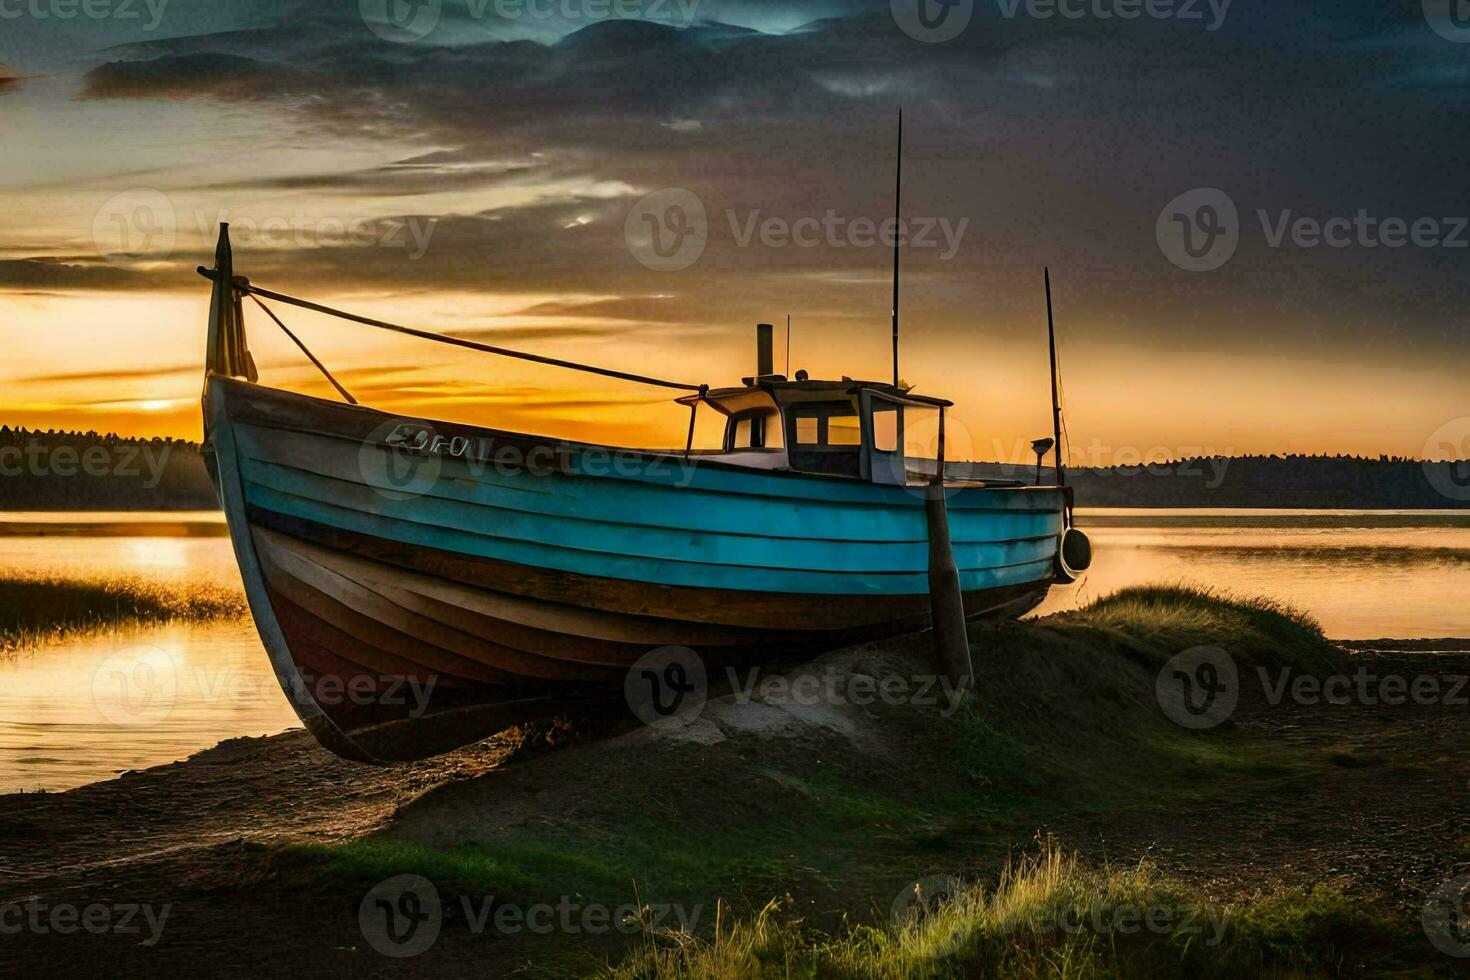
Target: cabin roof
(784, 391)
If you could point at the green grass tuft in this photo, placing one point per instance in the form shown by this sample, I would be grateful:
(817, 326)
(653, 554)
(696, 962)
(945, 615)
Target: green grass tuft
(1169, 618)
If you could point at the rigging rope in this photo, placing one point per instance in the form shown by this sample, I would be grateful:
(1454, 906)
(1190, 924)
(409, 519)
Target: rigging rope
(252, 290)
(319, 365)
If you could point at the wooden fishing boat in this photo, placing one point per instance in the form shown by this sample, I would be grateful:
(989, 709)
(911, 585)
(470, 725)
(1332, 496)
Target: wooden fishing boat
(421, 584)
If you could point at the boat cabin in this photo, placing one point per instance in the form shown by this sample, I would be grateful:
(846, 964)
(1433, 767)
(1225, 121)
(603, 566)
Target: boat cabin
(856, 429)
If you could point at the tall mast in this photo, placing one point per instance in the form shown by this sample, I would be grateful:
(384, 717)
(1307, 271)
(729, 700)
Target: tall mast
(1056, 405)
(897, 198)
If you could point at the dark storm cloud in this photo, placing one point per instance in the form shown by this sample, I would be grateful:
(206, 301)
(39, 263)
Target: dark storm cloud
(1059, 140)
(52, 274)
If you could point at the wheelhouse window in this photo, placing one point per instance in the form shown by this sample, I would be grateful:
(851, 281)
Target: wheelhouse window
(825, 436)
(886, 425)
(755, 429)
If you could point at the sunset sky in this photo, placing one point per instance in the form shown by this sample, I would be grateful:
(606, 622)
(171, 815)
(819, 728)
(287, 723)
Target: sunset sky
(479, 180)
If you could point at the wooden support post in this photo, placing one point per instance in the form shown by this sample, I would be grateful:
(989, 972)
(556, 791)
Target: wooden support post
(946, 603)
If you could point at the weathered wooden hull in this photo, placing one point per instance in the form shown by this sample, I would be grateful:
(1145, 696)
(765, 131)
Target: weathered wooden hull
(412, 602)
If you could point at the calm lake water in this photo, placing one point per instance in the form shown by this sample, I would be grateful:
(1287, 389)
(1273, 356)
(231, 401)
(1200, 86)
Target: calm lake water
(85, 709)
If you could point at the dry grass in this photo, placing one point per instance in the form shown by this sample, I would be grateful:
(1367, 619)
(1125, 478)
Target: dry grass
(1191, 608)
(37, 608)
(1049, 916)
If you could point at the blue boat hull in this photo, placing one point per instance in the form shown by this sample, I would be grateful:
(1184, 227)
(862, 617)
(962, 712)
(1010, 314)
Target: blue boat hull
(517, 577)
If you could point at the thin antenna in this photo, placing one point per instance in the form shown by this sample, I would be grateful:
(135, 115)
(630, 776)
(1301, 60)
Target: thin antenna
(788, 345)
(897, 192)
(1056, 405)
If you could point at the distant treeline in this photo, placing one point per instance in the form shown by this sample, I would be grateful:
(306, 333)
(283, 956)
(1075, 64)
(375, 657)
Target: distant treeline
(54, 470)
(89, 471)
(1324, 482)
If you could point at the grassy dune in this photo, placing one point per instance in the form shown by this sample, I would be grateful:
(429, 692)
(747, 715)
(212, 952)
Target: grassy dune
(37, 608)
(1063, 735)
